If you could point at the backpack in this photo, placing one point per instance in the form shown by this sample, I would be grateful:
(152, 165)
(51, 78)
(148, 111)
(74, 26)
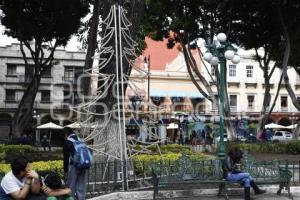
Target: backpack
(82, 158)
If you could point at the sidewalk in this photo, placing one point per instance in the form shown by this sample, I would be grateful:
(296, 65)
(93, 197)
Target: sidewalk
(197, 194)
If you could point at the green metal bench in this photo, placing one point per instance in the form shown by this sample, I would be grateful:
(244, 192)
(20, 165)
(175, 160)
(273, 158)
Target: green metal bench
(209, 172)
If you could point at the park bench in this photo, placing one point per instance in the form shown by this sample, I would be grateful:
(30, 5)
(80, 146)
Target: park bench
(186, 171)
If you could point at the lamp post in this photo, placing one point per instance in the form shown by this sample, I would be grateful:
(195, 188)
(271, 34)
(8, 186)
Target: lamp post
(217, 53)
(36, 117)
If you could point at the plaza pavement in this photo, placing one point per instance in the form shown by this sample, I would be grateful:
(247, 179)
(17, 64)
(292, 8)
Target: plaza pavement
(200, 194)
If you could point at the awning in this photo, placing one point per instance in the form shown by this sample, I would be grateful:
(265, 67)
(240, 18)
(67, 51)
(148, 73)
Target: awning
(50, 125)
(175, 93)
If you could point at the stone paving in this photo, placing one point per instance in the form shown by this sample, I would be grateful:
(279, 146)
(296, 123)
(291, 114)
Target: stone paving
(200, 194)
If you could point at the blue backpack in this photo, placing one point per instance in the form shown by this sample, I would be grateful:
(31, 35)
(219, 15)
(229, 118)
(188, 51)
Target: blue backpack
(82, 158)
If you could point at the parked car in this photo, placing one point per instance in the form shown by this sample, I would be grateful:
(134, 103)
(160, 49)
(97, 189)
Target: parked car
(282, 136)
(251, 139)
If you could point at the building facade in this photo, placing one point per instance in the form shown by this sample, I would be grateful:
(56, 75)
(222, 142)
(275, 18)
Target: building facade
(169, 81)
(59, 87)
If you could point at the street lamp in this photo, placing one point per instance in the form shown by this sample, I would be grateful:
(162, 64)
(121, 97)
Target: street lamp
(217, 53)
(36, 117)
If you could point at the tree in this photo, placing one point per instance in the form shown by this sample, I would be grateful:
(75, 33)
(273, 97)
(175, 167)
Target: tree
(40, 26)
(196, 19)
(272, 25)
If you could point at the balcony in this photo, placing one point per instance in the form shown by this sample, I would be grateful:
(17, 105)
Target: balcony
(233, 108)
(70, 80)
(250, 82)
(297, 83)
(284, 109)
(271, 83)
(233, 81)
(25, 79)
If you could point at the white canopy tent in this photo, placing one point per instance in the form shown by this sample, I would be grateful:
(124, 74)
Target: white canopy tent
(77, 125)
(274, 126)
(172, 126)
(49, 126)
(292, 126)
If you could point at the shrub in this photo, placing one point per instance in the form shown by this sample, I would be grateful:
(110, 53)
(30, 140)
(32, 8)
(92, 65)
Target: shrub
(290, 147)
(293, 147)
(170, 148)
(56, 166)
(142, 163)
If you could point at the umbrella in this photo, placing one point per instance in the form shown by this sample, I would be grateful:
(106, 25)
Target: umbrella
(172, 126)
(74, 125)
(292, 126)
(77, 125)
(50, 126)
(275, 126)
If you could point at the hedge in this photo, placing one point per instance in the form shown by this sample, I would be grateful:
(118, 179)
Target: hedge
(145, 160)
(290, 147)
(11, 150)
(56, 165)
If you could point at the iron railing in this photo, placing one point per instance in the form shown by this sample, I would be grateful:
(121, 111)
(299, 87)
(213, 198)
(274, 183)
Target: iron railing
(105, 178)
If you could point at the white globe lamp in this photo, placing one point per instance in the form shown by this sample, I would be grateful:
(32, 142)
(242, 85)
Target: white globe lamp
(222, 37)
(236, 59)
(229, 54)
(214, 61)
(208, 56)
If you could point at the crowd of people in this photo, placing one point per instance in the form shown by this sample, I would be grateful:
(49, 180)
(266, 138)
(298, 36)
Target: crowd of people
(22, 182)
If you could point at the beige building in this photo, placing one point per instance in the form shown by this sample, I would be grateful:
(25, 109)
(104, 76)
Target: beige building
(170, 84)
(58, 88)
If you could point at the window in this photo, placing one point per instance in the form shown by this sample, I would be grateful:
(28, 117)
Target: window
(77, 99)
(11, 70)
(69, 74)
(232, 70)
(67, 97)
(284, 102)
(298, 99)
(47, 72)
(10, 96)
(233, 100)
(250, 99)
(215, 106)
(213, 70)
(29, 73)
(249, 71)
(45, 96)
(73, 74)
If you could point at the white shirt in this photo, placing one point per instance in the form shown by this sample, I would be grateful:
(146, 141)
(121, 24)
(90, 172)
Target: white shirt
(11, 184)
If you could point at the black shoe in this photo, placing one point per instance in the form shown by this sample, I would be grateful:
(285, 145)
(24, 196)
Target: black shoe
(247, 193)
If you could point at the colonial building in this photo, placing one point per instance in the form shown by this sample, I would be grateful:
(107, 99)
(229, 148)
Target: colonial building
(57, 91)
(169, 83)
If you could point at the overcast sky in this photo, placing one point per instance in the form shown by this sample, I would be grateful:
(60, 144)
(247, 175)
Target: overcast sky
(5, 40)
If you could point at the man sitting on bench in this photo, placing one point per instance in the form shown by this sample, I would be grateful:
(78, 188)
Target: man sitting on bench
(232, 173)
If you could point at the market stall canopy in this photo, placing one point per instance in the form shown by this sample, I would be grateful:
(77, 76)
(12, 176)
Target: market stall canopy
(275, 126)
(77, 125)
(292, 126)
(50, 125)
(172, 126)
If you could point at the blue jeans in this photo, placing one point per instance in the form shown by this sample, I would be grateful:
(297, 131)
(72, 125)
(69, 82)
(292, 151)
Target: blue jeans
(244, 177)
(77, 182)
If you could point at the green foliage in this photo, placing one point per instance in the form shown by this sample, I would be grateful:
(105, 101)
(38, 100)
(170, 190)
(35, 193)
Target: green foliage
(142, 163)
(290, 147)
(43, 20)
(56, 165)
(171, 148)
(293, 147)
(17, 148)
